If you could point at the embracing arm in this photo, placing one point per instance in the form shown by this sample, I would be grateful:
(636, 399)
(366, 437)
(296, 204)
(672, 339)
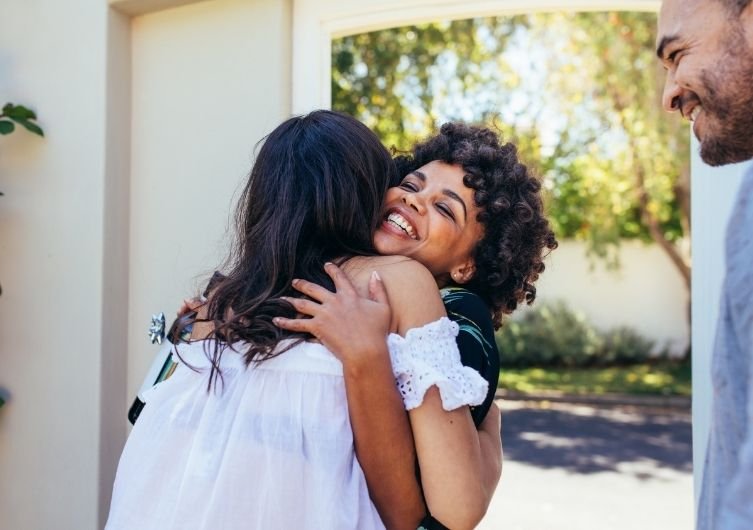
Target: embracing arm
(459, 466)
(355, 329)
(383, 441)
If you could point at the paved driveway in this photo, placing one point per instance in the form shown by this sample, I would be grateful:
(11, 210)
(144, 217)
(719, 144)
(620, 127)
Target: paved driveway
(575, 467)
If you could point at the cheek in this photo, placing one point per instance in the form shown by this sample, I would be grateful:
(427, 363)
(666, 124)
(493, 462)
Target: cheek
(392, 195)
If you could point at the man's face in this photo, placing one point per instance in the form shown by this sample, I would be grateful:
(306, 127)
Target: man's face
(708, 55)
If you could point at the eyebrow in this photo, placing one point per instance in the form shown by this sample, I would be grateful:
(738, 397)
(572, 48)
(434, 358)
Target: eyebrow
(666, 41)
(451, 194)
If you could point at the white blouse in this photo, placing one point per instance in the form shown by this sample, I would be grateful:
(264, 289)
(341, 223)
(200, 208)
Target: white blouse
(272, 446)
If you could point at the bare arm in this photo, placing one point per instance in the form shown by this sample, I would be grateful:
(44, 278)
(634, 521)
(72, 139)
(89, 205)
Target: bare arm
(381, 431)
(459, 466)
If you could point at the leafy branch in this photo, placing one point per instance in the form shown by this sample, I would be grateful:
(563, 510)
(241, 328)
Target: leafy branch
(18, 114)
(13, 115)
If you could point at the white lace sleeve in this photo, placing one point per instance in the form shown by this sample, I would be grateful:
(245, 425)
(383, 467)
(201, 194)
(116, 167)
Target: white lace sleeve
(429, 356)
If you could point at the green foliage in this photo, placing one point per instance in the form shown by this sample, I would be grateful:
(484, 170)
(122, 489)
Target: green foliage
(578, 93)
(550, 335)
(18, 114)
(388, 79)
(554, 335)
(624, 345)
(662, 378)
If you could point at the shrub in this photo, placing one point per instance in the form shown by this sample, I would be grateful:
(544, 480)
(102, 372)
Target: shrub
(555, 335)
(624, 345)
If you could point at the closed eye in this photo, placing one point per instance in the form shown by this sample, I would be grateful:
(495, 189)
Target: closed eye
(407, 185)
(446, 210)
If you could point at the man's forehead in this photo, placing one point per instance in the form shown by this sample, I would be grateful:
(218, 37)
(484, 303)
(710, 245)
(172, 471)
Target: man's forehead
(676, 15)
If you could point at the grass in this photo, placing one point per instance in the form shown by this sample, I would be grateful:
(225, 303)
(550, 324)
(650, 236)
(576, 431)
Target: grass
(664, 379)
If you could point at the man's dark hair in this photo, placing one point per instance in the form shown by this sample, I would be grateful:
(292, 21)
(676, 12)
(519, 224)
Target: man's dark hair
(509, 257)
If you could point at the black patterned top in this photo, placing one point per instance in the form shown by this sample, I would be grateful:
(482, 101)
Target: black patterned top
(476, 343)
(478, 350)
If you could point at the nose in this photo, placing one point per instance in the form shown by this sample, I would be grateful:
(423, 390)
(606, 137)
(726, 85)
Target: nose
(671, 97)
(412, 200)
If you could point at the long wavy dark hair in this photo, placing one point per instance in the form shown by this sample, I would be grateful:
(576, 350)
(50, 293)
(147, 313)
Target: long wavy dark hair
(314, 195)
(517, 235)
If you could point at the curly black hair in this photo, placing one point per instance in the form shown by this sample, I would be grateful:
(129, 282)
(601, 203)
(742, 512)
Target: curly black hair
(517, 236)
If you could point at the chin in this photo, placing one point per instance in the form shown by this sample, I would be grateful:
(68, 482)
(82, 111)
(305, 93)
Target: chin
(386, 245)
(720, 151)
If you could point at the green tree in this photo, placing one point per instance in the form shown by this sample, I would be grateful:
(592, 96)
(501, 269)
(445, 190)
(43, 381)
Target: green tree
(393, 80)
(579, 93)
(636, 184)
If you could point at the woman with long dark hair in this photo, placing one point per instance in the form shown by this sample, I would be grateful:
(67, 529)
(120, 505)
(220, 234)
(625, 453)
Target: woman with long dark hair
(252, 430)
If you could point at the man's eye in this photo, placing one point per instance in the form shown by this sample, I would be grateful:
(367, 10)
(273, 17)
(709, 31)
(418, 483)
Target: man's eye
(673, 56)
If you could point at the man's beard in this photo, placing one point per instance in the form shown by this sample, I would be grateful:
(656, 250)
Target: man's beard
(728, 105)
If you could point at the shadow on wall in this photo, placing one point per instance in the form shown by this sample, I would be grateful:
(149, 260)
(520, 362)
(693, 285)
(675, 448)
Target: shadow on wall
(600, 441)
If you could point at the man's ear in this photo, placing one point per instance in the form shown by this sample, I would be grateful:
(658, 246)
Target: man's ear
(464, 272)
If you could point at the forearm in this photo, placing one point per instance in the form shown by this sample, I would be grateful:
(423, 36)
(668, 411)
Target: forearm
(383, 440)
(451, 460)
(490, 442)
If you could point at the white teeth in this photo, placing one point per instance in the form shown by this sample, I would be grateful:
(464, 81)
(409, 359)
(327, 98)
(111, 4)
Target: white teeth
(695, 113)
(402, 223)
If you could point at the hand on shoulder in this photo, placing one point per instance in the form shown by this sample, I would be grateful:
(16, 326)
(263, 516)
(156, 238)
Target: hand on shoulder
(412, 290)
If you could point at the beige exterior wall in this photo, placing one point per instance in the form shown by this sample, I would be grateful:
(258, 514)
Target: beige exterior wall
(151, 123)
(645, 293)
(209, 81)
(51, 252)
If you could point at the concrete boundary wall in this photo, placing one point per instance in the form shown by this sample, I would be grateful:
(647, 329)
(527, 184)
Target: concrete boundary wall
(645, 292)
(85, 254)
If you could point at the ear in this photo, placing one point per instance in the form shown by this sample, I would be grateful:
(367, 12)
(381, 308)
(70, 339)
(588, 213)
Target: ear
(464, 272)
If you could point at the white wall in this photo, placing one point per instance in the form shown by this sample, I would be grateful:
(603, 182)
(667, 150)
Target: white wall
(645, 293)
(52, 58)
(209, 81)
(150, 127)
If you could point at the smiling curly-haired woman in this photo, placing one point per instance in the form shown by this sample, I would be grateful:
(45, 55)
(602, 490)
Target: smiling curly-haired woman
(516, 233)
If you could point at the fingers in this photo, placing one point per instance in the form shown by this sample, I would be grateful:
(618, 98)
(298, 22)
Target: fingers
(190, 305)
(377, 292)
(301, 325)
(343, 285)
(312, 290)
(306, 307)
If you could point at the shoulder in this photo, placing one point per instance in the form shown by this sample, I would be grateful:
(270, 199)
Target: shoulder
(412, 290)
(466, 304)
(476, 330)
(399, 274)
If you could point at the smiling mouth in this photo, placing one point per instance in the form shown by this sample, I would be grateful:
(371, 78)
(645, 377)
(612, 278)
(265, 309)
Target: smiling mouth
(695, 113)
(401, 223)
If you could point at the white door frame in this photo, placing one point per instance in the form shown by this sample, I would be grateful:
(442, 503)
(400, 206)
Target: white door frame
(316, 22)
